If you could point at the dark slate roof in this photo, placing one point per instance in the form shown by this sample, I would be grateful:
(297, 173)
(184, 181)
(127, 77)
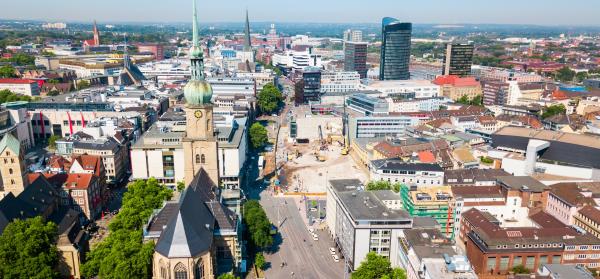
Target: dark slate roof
(224, 217)
(570, 149)
(522, 183)
(398, 164)
(190, 232)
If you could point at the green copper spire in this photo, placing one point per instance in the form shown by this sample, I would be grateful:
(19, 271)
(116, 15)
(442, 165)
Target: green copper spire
(197, 91)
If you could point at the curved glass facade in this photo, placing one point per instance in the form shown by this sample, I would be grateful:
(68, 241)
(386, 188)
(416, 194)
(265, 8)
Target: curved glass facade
(395, 49)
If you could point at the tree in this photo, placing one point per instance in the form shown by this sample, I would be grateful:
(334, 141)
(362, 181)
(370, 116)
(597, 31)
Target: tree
(396, 187)
(379, 185)
(53, 93)
(227, 276)
(269, 98)
(258, 135)
(7, 71)
(258, 224)
(520, 269)
(463, 100)
(377, 267)
(28, 250)
(259, 261)
(83, 84)
(554, 110)
(565, 74)
(123, 254)
(180, 186)
(52, 141)
(581, 76)
(8, 96)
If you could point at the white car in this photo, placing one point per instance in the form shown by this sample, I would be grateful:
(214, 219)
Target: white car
(332, 250)
(311, 230)
(335, 258)
(315, 237)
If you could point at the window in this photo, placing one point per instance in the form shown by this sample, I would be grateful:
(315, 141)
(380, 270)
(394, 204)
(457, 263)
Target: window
(530, 262)
(197, 158)
(570, 247)
(518, 260)
(491, 264)
(543, 260)
(596, 247)
(180, 271)
(583, 247)
(199, 270)
(556, 259)
(202, 159)
(582, 256)
(504, 263)
(10, 171)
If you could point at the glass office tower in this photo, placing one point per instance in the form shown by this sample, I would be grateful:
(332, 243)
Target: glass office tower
(395, 49)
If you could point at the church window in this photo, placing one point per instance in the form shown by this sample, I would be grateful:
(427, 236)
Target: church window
(180, 271)
(10, 171)
(198, 158)
(199, 270)
(203, 159)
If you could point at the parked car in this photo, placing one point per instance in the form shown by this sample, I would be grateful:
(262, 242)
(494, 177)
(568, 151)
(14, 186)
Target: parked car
(335, 258)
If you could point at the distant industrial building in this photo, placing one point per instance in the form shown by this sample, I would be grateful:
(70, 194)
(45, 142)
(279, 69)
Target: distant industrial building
(157, 50)
(395, 50)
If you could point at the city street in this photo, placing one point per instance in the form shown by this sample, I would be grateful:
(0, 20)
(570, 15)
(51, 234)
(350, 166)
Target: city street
(303, 256)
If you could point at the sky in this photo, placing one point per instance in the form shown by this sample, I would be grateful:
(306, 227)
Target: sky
(540, 12)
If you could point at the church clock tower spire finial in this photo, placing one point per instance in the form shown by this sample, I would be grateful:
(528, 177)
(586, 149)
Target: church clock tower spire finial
(197, 91)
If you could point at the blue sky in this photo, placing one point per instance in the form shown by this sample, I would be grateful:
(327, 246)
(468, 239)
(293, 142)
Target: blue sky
(543, 12)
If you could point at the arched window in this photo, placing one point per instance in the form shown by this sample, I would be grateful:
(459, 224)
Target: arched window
(180, 271)
(202, 159)
(199, 270)
(10, 171)
(198, 158)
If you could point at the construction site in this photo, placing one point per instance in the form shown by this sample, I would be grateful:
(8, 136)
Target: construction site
(316, 153)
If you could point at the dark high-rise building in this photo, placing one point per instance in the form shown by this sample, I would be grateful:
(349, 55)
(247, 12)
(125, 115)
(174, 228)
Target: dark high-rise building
(311, 79)
(458, 59)
(395, 49)
(355, 58)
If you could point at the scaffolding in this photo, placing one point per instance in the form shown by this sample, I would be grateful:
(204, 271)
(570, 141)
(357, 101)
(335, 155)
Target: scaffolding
(434, 202)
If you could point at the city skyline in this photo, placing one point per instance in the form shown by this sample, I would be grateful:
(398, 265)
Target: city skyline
(420, 12)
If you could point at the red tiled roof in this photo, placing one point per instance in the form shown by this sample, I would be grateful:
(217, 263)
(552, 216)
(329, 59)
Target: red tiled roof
(16, 81)
(90, 163)
(591, 212)
(79, 181)
(426, 157)
(59, 162)
(456, 81)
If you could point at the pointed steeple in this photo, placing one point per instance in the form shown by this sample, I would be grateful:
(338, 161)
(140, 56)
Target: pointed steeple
(197, 91)
(247, 39)
(195, 26)
(96, 35)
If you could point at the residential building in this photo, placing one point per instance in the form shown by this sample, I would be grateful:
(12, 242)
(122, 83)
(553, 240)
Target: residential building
(431, 201)
(458, 59)
(455, 87)
(524, 190)
(83, 193)
(395, 49)
(13, 171)
(355, 58)
(114, 154)
(566, 199)
(504, 75)
(339, 82)
(20, 86)
(473, 177)
(588, 218)
(360, 223)
(413, 174)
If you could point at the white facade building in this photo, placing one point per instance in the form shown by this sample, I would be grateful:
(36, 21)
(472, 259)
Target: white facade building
(412, 174)
(339, 82)
(421, 88)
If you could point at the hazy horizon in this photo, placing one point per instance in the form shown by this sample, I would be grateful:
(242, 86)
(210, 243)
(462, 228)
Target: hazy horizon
(532, 12)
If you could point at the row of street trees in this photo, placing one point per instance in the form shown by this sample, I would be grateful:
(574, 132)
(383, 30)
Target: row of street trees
(123, 254)
(258, 225)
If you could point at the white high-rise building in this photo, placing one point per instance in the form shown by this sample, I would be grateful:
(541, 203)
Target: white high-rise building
(339, 82)
(353, 35)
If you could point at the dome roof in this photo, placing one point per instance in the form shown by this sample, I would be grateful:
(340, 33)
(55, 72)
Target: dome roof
(197, 92)
(196, 51)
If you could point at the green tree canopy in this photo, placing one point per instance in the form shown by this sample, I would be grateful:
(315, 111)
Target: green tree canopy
(227, 276)
(269, 98)
(259, 261)
(379, 185)
(565, 74)
(20, 59)
(554, 110)
(8, 96)
(28, 249)
(52, 141)
(377, 267)
(83, 84)
(520, 269)
(258, 224)
(476, 101)
(258, 135)
(123, 254)
(7, 71)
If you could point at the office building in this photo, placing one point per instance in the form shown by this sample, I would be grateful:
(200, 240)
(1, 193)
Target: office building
(367, 105)
(339, 82)
(361, 126)
(230, 86)
(311, 85)
(355, 58)
(458, 59)
(157, 50)
(395, 49)
(414, 88)
(395, 170)
(360, 222)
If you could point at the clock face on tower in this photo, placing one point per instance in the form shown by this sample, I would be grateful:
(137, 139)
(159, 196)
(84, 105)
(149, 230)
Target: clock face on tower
(198, 114)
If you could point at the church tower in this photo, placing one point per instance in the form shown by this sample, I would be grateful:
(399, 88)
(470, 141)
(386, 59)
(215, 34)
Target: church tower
(96, 35)
(200, 142)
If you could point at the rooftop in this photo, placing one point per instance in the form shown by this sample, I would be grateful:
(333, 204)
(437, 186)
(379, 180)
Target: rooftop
(522, 183)
(398, 164)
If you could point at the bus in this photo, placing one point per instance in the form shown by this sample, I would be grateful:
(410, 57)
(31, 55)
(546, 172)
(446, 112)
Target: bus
(261, 163)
